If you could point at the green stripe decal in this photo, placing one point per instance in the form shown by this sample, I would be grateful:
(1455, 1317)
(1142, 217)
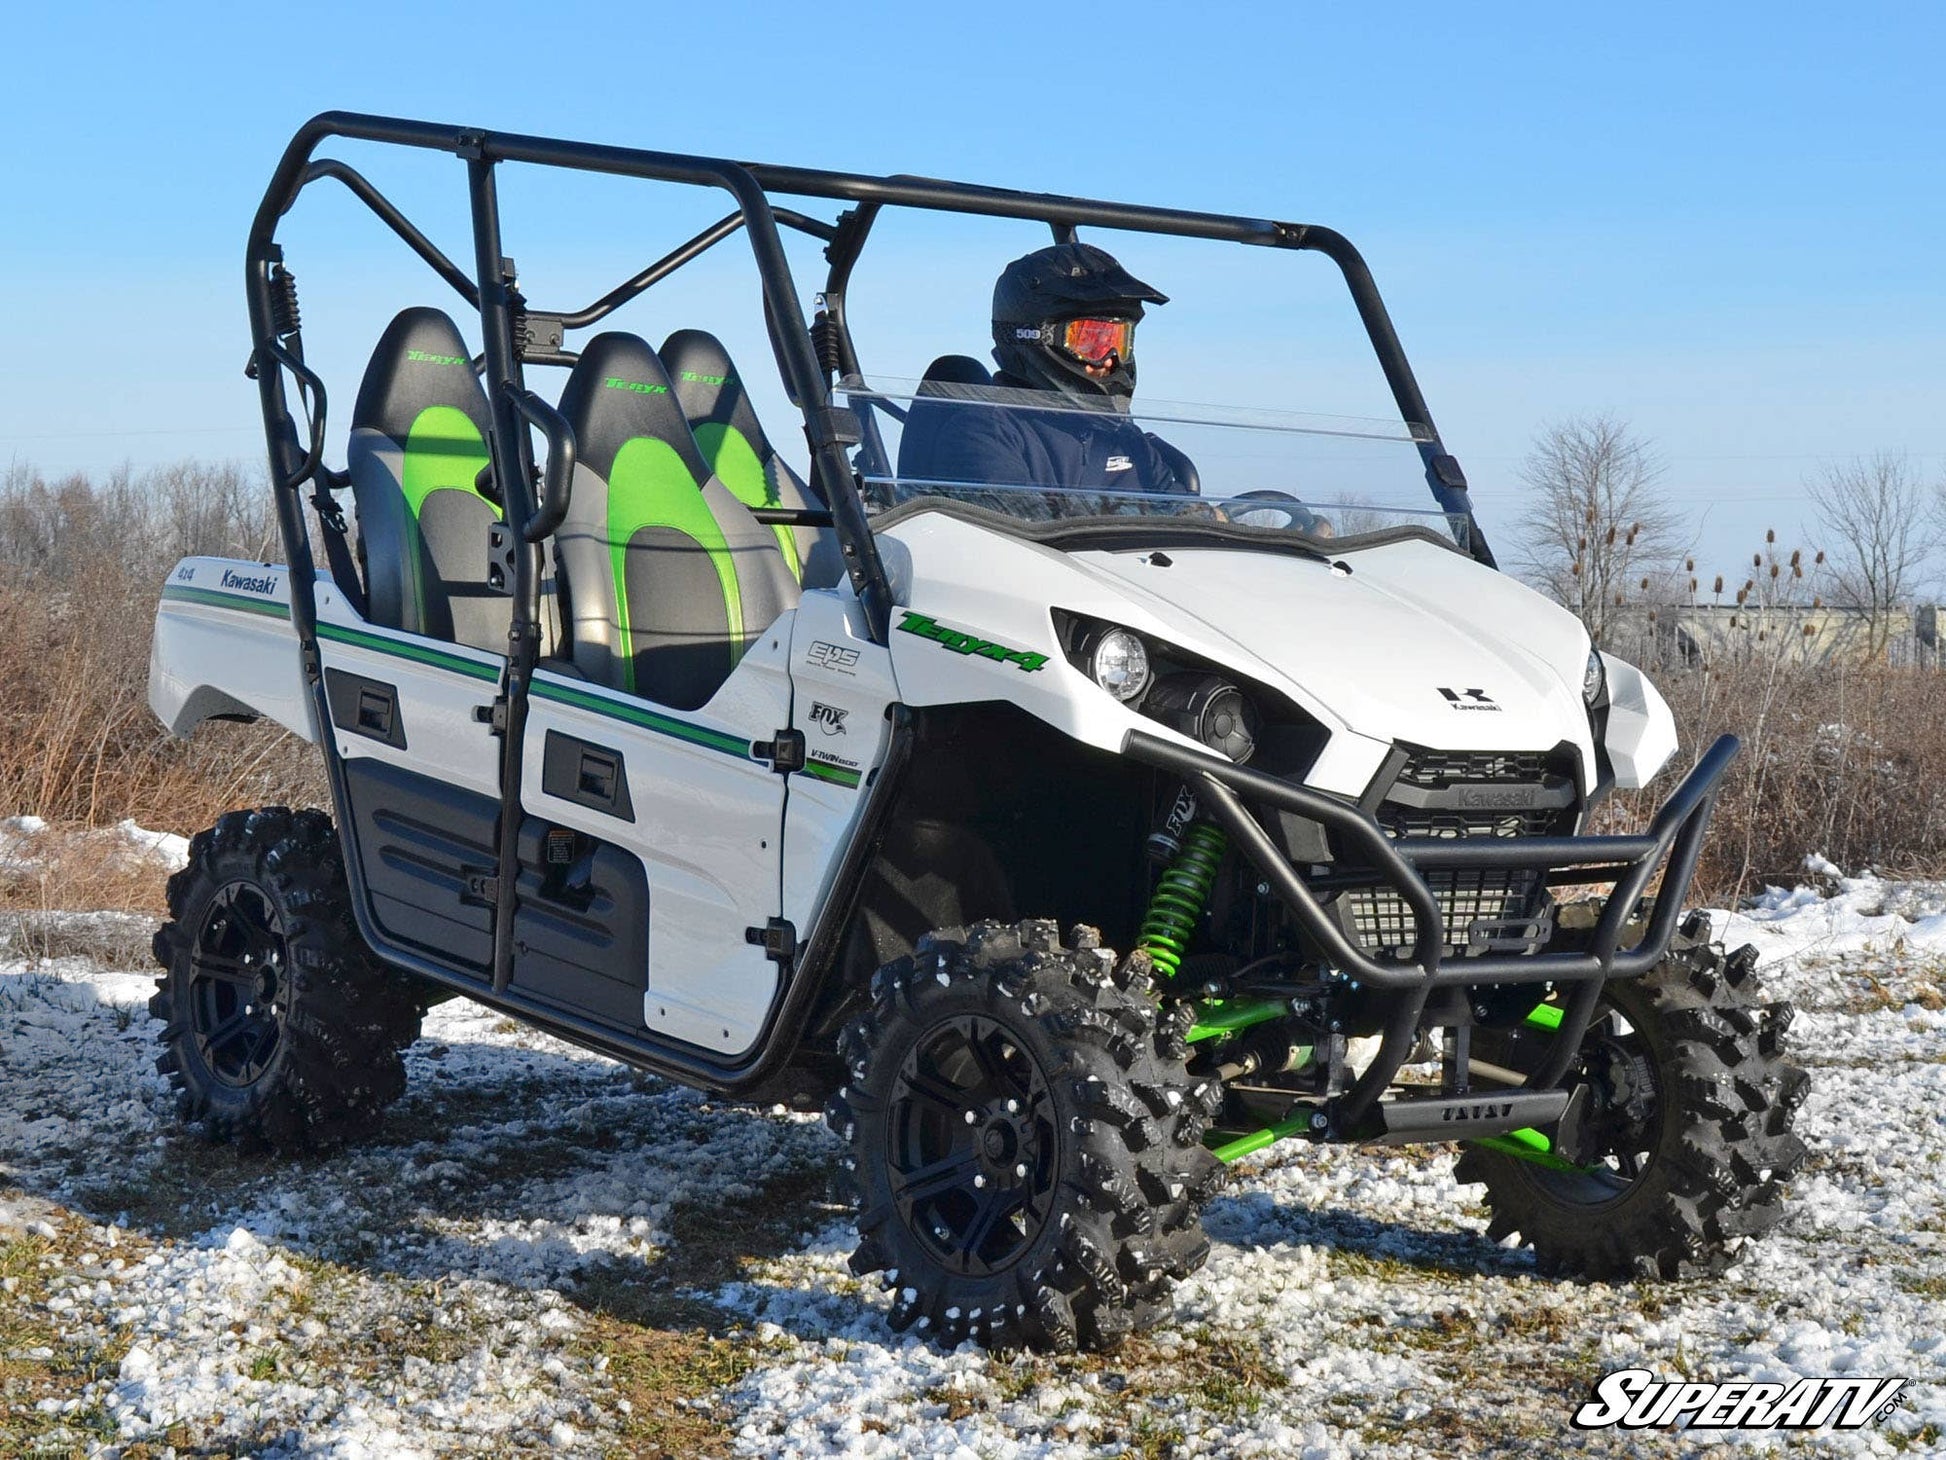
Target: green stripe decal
(836, 774)
(210, 598)
(418, 653)
(648, 719)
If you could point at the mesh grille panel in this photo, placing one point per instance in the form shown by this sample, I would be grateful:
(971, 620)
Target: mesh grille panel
(1379, 917)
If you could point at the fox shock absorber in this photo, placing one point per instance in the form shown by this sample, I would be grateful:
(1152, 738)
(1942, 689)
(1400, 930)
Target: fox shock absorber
(1181, 895)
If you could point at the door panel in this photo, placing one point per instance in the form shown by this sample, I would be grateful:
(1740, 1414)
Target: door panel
(707, 829)
(422, 773)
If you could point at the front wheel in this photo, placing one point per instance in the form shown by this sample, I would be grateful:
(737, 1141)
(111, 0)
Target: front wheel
(1025, 1140)
(1682, 1137)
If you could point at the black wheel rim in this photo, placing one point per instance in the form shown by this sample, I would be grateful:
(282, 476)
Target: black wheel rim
(237, 992)
(974, 1146)
(1620, 1135)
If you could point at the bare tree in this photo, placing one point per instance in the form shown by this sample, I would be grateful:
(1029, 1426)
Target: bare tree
(1882, 525)
(1597, 525)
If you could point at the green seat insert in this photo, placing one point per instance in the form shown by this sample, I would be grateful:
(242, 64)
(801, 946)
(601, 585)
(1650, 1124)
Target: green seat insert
(733, 441)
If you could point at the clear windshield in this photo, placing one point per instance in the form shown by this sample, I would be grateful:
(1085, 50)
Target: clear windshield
(1044, 457)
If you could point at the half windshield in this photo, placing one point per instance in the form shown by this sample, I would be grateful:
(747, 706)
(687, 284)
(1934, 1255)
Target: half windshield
(1045, 458)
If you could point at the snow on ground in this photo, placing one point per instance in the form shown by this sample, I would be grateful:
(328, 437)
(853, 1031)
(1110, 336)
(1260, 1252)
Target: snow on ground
(546, 1252)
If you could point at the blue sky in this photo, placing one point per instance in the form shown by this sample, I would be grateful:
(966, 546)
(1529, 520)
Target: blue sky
(1720, 223)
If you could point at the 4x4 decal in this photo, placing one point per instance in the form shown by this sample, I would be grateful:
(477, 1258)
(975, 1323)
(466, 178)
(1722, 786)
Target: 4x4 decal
(964, 643)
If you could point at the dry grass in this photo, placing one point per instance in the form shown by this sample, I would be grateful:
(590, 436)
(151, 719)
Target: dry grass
(1845, 760)
(81, 564)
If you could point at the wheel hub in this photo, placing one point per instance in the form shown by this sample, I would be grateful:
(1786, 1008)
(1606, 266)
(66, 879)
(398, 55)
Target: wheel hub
(971, 1130)
(237, 1000)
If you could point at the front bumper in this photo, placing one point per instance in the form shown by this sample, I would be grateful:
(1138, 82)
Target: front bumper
(1629, 863)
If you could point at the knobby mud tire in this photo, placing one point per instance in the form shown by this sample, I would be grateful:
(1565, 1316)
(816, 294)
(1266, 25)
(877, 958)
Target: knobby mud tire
(340, 1019)
(1723, 1144)
(1121, 1168)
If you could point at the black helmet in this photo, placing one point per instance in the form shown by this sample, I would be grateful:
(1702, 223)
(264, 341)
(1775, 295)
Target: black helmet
(1050, 286)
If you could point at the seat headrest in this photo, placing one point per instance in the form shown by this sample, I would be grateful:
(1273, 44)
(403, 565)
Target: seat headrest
(949, 370)
(708, 388)
(619, 391)
(420, 362)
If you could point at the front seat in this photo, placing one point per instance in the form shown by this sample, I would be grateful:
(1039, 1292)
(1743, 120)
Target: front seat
(733, 443)
(418, 443)
(669, 577)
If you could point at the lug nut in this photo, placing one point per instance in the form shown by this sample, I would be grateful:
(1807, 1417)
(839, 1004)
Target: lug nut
(972, 1117)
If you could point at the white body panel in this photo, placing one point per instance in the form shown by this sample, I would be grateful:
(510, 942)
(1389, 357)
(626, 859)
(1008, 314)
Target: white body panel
(224, 646)
(440, 686)
(836, 666)
(708, 829)
(1641, 732)
(1407, 641)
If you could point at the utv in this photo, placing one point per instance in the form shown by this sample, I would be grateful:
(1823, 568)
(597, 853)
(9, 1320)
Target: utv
(1067, 846)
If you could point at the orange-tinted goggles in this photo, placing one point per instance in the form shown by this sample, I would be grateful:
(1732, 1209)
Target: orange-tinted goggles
(1092, 341)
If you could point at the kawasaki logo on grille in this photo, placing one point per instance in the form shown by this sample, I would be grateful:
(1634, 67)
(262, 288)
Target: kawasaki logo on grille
(1503, 798)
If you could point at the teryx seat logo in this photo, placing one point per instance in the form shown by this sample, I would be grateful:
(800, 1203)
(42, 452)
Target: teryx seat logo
(1635, 1399)
(961, 643)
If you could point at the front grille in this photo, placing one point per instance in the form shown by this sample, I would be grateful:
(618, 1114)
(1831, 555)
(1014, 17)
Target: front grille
(1471, 794)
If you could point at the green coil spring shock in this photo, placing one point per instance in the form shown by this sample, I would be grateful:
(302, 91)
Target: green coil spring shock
(1181, 896)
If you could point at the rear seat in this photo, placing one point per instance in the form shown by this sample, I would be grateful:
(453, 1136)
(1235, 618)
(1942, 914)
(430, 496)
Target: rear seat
(419, 436)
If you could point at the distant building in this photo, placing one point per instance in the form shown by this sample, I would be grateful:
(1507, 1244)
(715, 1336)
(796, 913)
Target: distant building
(1825, 634)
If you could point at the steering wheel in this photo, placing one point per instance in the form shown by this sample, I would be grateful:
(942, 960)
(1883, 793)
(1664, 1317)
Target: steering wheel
(1279, 509)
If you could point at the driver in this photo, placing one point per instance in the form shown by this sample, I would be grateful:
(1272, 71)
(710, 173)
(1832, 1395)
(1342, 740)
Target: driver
(1064, 322)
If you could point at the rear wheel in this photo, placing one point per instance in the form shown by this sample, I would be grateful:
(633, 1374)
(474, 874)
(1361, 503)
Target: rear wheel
(279, 1029)
(1682, 1141)
(1025, 1141)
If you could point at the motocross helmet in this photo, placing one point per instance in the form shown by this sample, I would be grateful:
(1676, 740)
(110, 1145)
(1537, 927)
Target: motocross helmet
(1063, 308)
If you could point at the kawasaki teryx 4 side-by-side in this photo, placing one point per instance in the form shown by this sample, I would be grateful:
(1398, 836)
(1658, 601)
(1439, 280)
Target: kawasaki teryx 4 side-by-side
(1064, 844)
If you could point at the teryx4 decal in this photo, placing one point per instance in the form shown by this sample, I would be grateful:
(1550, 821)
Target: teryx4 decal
(1469, 699)
(962, 643)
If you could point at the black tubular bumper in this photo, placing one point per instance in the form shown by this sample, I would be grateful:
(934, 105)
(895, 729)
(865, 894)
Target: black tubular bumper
(1629, 862)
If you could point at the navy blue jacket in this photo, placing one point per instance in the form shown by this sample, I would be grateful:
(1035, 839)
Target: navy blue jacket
(947, 441)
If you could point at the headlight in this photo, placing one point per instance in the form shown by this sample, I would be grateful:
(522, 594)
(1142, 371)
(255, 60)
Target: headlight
(1593, 677)
(1210, 709)
(1120, 664)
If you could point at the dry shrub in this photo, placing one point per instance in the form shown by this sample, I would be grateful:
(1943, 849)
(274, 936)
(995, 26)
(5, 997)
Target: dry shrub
(81, 565)
(1843, 759)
